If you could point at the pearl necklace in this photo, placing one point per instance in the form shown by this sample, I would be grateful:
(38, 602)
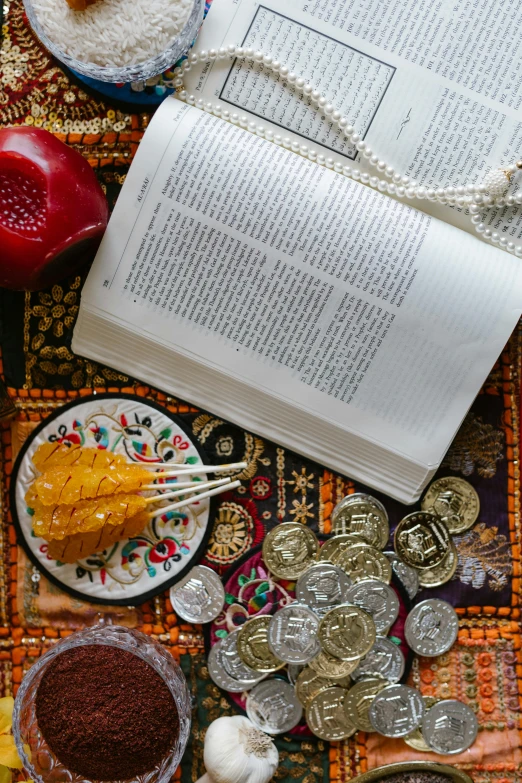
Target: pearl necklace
(490, 193)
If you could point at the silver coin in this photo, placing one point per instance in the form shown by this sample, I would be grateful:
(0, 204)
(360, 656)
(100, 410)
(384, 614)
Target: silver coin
(233, 664)
(385, 660)
(450, 727)
(377, 599)
(431, 627)
(273, 707)
(199, 597)
(396, 711)
(407, 575)
(219, 675)
(292, 634)
(293, 671)
(322, 586)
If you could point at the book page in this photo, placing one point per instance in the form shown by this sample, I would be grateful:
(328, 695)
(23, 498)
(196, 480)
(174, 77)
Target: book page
(435, 89)
(298, 282)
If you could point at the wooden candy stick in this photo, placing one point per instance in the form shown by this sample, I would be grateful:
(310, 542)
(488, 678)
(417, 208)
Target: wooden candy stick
(176, 470)
(181, 490)
(195, 499)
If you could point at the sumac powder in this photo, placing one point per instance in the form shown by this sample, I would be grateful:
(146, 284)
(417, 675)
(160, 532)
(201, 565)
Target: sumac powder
(105, 713)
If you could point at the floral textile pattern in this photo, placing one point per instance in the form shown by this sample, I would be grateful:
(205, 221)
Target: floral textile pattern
(478, 446)
(484, 555)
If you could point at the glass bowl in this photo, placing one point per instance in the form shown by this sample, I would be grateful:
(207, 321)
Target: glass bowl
(40, 762)
(127, 73)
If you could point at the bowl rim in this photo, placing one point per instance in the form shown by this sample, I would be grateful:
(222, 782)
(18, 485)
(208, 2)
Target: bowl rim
(146, 69)
(70, 642)
(416, 765)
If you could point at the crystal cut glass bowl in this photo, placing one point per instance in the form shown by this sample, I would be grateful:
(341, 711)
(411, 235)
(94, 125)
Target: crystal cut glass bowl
(127, 73)
(40, 762)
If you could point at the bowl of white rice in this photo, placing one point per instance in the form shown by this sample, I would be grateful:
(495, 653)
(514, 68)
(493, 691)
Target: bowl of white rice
(117, 40)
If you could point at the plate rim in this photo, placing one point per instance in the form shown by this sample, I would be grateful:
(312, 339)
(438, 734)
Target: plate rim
(132, 601)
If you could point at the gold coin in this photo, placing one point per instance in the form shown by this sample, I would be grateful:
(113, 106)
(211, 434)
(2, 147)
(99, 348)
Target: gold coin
(454, 501)
(435, 577)
(422, 540)
(362, 515)
(289, 549)
(362, 561)
(359, 700)
(326, 715)
(252, 646)
(333, 547)
(331, 667)
(415, 739)
(309, 683)
(347, 632)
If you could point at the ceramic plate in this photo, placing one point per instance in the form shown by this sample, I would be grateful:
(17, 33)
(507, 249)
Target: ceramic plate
(135, 569)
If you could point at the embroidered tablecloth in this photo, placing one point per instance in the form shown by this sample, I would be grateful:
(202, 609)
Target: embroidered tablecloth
(484, 668)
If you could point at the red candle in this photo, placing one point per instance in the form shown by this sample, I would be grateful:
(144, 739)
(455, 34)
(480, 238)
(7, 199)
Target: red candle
(53, 211)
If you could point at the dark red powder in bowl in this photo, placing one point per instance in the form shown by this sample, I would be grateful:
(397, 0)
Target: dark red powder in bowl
(105, 713)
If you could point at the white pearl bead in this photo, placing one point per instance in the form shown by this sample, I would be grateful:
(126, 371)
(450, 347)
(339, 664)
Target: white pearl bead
(365, 177)
(476, 219)
(260, 130)
(190, 99)
(284, 71)
(511, 168)
(510, 201)
(278, 139)
(249, 52)
(258, 57)
(322, 101)
(480, 228)
(276, 66)
(382, 186)
(374, 160)
(518, 197)
(203, 55)
(381, 165)
(410, 192)
(405, 180)
(397, 179)
(294, 146)
(299, 82)
(234, 118)
(361, 146)
(303, 149)
(367, 152)
(430, 193)
(440, 193)
(347, 171)
(200, 103)
(449, 191)
(389, 171)
(267, 59)
(307, 89)
(392, 189)
(177, 82)
(217, 110)
(349, 130)
(478, 199)
(481, 189)
(343, 122)
(336, 115)
(420, 192)
(243, 121)
(461, 190)
(338, 167)
(474, 209)
(401, 192)
(328, 109)
(225, 114)
(518, 250)
(287, 142)
(240, 52)
(355, 136)
(193, 57)
(231, 48)
(374, 181)
(356, 174)
(183, 95)
(487, 233)
(500, 202)
(329, 163)
(503, 242)
(321, 160)
(312, 155)
(510, 246)
(495, 237)
(222, 52)
(269, 136)
(461, 201)
(291, 77)
(315, 95)
(212, 54)
(209, 107)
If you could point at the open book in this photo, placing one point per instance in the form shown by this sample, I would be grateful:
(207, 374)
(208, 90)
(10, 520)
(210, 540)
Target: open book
(278, 294)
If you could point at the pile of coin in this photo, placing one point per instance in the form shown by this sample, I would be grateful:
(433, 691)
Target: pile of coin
(342, 670)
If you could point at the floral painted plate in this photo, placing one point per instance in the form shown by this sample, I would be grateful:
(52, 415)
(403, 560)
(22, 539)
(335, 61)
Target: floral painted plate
(136, 569)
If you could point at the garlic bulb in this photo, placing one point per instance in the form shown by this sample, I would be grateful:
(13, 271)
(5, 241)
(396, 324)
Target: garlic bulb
(236, 752)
